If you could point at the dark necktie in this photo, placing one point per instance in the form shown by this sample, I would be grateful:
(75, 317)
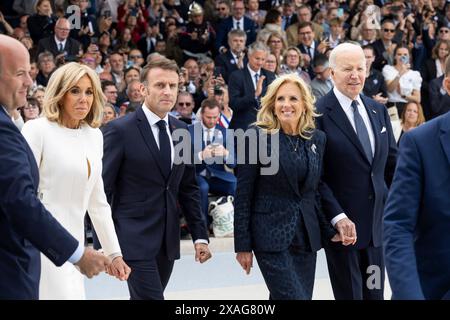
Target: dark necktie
(61, 48)
(256, 79)
(310, 53)
(208, 137)
(361, 131)
(164, 148)
(238, 25)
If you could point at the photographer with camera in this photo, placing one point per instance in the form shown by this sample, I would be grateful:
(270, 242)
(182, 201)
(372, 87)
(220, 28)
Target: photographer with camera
(403, 84)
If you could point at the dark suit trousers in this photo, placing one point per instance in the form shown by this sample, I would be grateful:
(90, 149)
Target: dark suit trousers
(289, 274)
(215, 186)
(350, 271)
(149, 278)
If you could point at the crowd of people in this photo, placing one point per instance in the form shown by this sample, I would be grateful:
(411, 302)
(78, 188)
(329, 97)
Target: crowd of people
(96, 89)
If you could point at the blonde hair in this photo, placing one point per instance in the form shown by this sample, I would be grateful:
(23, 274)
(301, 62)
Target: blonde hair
(266, 118)
(61, 81)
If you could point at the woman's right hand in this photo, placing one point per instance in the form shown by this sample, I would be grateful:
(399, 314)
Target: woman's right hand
(245, 259)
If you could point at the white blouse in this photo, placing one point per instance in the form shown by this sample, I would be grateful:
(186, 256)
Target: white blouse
(409, 81)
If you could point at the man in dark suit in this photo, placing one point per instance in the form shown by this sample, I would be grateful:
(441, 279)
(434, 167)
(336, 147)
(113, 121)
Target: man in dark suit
(26, 227)
(439, 98)
(147, 43)
(247, 86)
(360, 150)
(417, 216)
(209, 142)
(308, 47)
(236, 21)
(60, 43)
(145, 182)
(235, 58)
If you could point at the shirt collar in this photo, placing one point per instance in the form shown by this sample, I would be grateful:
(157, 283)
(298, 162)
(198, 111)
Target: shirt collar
(58, 42)
(152, 117)
(344, 101)
(252, 73)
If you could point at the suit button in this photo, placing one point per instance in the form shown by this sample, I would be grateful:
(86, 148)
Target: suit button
(370, 196)
(167, 188)
(371, 175)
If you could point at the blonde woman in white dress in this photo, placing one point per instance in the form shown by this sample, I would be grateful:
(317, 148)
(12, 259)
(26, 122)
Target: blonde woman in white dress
(68, 147)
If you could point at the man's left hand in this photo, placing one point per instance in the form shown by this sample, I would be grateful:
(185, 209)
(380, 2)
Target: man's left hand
(202, 252)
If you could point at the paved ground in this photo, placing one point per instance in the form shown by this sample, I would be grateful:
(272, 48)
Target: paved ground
(221, 278)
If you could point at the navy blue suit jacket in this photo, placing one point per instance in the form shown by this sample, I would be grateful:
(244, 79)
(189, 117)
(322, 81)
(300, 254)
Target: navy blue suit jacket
(417, 214)
(268, 207)
(242, 97)
(227, 64)
(217, 170)
(26, 227)
(144, 205)
(350, 184)
(227, 25)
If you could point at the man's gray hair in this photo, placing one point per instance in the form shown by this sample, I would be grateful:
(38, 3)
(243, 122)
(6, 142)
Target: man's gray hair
(237, 33)
(343, 47)
(258, 46)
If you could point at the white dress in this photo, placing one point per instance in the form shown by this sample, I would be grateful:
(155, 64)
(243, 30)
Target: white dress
(64, 156)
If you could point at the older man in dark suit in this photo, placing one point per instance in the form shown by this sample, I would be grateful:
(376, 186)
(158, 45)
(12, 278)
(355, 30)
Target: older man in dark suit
(60, 43)
(26, 227)
(359, 162)
(235, 58)
(145, 183)
(417, 216)
(247, 86)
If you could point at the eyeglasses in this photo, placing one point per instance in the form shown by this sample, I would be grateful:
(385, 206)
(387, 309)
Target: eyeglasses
(221, 8)
(389, 30)
(275, 41)
(444, 31)
(138, 56)
(63, 29)
(187, 104)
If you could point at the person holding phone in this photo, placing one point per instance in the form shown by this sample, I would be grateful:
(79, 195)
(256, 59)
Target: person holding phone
(403, 84)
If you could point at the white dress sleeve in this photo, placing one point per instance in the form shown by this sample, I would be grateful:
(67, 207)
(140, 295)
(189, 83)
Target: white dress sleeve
(389, 72)
(34, 134)
(99, 209)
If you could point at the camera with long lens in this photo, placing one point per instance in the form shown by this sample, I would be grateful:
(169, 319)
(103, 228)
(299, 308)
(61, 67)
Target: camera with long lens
(218, 90)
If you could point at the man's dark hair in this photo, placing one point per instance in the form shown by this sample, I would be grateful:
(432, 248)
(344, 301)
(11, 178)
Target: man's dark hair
(163, 63)
(305, 24)
(368, 47)
(210, 104)
(320, 60)
(107, 83)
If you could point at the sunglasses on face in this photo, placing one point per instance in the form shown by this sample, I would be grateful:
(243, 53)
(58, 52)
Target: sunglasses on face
(389, 30)
(187, 104)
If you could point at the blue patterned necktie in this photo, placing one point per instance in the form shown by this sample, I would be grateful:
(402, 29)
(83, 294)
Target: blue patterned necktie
(361, 131)
(164, 148)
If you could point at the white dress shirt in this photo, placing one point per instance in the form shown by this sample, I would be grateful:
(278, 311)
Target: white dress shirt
(241, 24)
(62, 42)
(252, 74)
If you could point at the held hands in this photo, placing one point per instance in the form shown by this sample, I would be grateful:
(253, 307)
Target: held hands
(92, 262)
(202, 253)
(347, 232)
(245, 259)
(119, 269)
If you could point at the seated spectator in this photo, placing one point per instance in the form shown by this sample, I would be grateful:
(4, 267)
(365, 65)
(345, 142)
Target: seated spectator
(46, 65)
(60, 43)
(322, 83)
(41, 24)
(184, 108)
(375, 86)
(208, 141)
(403, 84)
(109, 113)
(411, 118)
(293, 64)
(31, 110)
(271, 63)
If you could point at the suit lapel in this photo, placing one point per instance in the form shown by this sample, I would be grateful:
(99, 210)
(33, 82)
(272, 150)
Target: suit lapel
(147, 135)
(313, 164)
(339, 117)
(376, 126)
(445, 136)
(249, 81)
